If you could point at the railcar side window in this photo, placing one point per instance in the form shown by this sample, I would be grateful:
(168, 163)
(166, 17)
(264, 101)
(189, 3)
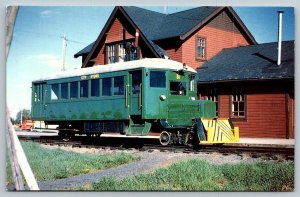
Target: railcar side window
(158, 79)
(41, 92)
(95, 87)
(54, 91)
(177, 88)
(106, 87)
(64, 91)
(74, 90)
(84, 89)
(119, 85)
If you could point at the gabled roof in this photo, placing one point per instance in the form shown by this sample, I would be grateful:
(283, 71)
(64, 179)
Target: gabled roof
(156, 26)
(254, 62)
(85, 50)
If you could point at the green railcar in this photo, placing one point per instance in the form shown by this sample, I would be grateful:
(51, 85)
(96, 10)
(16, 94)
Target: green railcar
(143, 98)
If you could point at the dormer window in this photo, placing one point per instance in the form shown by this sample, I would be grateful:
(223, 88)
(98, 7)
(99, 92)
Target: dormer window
(120, 52)
(200, 48)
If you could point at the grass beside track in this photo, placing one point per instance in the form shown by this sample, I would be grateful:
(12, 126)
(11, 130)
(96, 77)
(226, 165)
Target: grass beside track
(51, 164)
(199, 175)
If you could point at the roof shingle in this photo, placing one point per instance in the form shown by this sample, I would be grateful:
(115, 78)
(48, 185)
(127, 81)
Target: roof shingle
(254, 62)
(156, 26)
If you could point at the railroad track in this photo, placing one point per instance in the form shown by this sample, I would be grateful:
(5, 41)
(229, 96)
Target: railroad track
(267, 153)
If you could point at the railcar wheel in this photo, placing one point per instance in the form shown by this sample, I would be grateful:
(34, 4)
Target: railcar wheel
(190, 139)
(164, 138)
(66, 135)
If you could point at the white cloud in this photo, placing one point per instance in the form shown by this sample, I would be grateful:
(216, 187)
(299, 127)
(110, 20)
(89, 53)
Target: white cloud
(50, 60)
(46, 13)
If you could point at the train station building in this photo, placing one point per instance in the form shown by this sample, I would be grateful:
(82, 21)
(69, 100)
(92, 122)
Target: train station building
(239, 75)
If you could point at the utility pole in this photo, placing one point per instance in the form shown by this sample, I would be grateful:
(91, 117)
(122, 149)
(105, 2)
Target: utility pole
(21, 116)
(64, 51)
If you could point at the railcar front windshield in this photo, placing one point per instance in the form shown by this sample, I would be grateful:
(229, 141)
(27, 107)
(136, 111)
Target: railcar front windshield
(177, 88)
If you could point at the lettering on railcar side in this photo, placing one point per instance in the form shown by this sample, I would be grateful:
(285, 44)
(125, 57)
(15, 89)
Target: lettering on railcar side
(95, 76)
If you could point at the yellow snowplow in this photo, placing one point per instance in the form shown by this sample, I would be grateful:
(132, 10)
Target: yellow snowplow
(219, 130)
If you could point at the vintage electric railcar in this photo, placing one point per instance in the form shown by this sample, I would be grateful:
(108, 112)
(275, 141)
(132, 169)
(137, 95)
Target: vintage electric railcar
(148, 98)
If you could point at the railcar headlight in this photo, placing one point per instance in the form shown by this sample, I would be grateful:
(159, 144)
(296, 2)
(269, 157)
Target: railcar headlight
(162, 97)
(193, 98)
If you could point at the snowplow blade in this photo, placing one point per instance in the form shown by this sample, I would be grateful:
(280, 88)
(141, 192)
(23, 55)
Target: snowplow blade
(219, 130)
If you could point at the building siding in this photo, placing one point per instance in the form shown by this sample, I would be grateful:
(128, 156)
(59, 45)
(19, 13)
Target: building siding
(221, 32)
(270, 107)
(266, 116)
(267, 113)
(114, 34)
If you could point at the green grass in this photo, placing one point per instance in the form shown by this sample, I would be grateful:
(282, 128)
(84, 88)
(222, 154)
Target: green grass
(51, 164)
(198, 175)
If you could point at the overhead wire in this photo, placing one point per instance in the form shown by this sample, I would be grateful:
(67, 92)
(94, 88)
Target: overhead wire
(51, 35)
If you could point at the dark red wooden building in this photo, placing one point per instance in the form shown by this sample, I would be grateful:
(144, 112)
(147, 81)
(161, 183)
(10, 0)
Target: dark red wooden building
(249, 87)
(196, 37)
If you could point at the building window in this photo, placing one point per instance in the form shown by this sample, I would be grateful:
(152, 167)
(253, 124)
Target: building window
(131, 52)
(201, 48)
(111, 54)
(213, 95)
(238, 107)
(121, 52)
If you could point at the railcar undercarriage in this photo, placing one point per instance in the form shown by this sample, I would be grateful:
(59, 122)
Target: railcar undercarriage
(203, 131)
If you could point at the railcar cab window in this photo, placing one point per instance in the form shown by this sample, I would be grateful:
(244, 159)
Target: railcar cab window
(158, 79)
(106, 86)
(54, 91)
(38, 92)
(119, 85)
(64, 91)
(192, 83)
(177, 88)
(84, 87)
(74, 90)
(95, 88)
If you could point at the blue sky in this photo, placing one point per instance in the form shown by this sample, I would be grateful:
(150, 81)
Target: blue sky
(36, 49)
